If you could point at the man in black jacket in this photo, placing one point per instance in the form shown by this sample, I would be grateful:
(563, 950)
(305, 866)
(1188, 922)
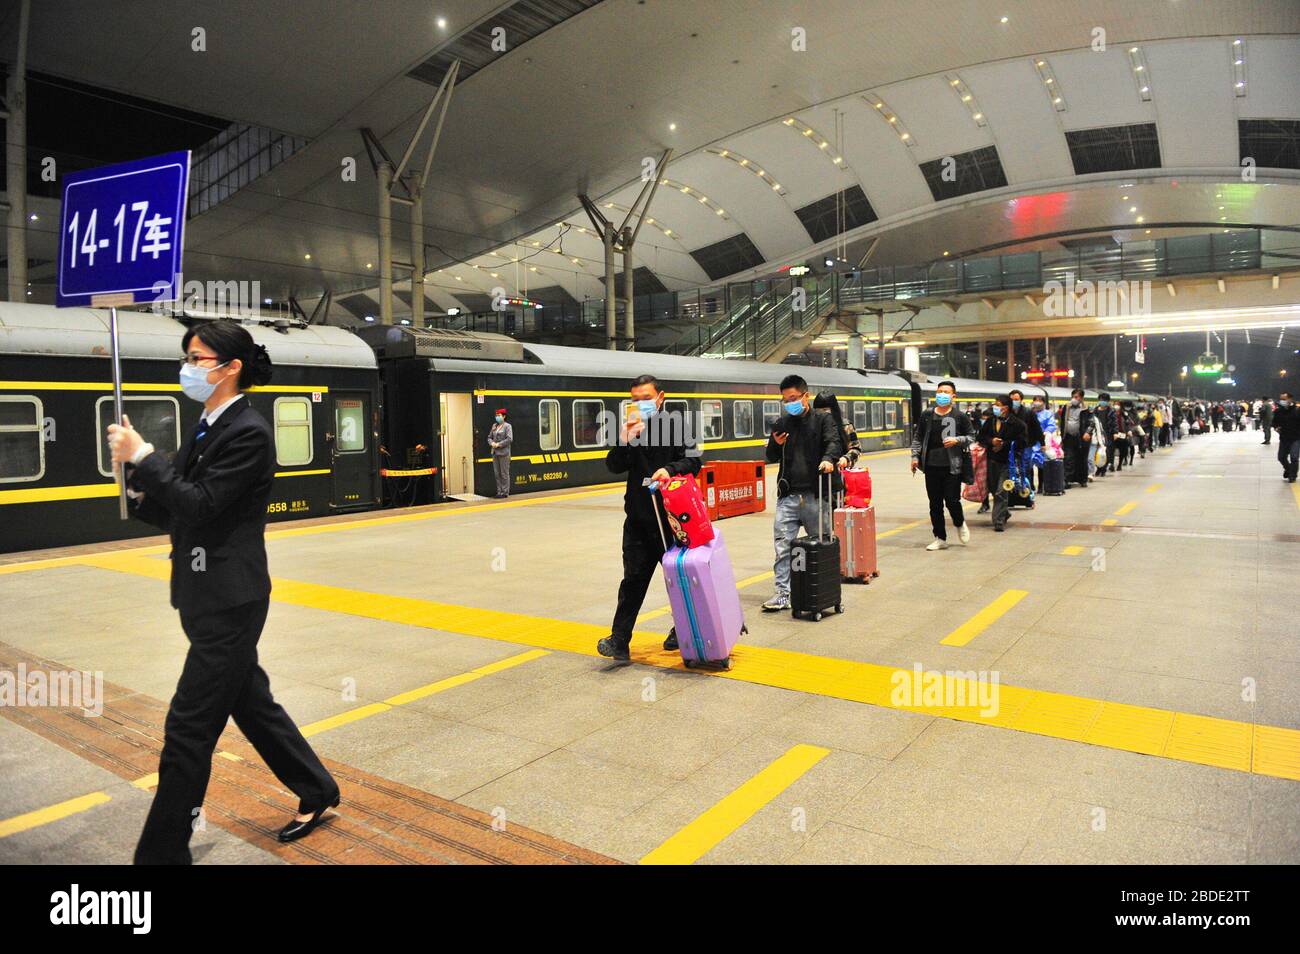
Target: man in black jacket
(997, 434)
(1076, 425)
(1033, 435)
(1106, 421)
(807, 444)
(651, 444)
(1286, 421)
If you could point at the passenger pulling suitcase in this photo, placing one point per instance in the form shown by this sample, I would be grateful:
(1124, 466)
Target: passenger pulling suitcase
(705, 602)
(1054, 478)
(815, 570)
(855, 528)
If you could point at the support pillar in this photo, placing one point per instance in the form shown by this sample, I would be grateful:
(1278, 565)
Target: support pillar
(16, 162)
(1011, 359)
(417, 250)
(984, 360)
(611, 299)
(385, 173)
(1033, 352)
(629, 298)
(856, 358)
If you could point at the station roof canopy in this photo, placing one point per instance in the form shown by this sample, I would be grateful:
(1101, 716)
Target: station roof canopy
(604, 84)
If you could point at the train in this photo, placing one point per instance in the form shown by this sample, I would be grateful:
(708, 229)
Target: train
(380, 416)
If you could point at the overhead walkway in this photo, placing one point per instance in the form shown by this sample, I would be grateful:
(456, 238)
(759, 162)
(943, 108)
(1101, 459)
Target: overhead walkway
(761, 319)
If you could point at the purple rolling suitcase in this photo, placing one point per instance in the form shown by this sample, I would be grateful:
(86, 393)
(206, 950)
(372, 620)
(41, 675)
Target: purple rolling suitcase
(705, 602)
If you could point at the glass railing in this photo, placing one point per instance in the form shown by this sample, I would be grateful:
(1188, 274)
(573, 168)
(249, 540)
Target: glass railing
(746, 319)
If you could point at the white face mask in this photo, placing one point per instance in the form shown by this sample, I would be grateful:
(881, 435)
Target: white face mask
(194, 381)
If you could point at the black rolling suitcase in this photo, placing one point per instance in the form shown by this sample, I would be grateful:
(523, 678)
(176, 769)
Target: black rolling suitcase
(815, 570)
(1054, 477)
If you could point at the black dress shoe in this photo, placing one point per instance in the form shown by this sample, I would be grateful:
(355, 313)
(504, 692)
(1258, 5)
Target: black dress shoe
(301, 829)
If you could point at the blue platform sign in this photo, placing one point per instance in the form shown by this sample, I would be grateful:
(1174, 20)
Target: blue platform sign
(122, 232)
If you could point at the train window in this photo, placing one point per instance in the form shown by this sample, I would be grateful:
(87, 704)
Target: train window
(22, 445)
(292, 431)
(711, 420)
(859, 415)
(587, 422)
(771, 411)
(742, 418)
(350, 425)
(548, 424)
(891, 416)
(907, 413)
(158, 419)
(877, 415)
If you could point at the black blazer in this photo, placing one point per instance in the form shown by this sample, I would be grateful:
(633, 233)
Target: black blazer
(212, 500)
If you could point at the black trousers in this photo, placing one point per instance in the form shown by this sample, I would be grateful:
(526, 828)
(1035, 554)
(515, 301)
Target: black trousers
(1117, 454)
(998, 472)
(944, 489)
(1076, 459)
(643, 549)
(221, 679)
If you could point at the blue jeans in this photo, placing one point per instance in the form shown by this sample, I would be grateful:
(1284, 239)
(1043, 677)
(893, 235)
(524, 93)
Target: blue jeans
(792, 512)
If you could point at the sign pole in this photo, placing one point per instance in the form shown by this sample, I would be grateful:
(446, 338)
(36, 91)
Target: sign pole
(117, 407)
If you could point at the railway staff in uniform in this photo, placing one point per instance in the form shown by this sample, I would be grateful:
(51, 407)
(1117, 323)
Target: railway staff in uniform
(499, 439)
(655, 445)
(212, 500)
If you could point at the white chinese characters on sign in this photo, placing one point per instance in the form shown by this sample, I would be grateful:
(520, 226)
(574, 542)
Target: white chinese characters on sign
(157, 235)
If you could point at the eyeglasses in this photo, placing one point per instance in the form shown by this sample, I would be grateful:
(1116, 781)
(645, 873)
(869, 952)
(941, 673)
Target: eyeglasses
(194, 359)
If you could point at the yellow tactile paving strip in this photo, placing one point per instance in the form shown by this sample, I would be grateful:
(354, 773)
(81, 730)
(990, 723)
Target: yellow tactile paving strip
(1205, 740)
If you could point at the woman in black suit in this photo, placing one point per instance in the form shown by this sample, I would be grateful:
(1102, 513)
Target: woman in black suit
(212, 499)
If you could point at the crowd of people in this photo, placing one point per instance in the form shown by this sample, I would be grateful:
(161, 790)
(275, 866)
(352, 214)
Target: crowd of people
(812, 444)
(1021, 441)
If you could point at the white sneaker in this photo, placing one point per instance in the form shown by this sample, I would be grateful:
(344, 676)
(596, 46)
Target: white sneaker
(963, 534)
(938, 544)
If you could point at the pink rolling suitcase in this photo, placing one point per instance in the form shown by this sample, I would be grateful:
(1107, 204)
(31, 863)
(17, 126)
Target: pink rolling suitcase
(855, 527)
(705, 602)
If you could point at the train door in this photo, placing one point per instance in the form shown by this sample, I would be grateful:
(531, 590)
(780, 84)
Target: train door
(351, 453)
(456, 435)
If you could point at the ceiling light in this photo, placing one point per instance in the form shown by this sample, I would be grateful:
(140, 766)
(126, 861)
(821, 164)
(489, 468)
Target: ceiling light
(672, 127)
(442, 23)
(307, 257)
(1054, 94)
(1132, 208)
(1004, 19)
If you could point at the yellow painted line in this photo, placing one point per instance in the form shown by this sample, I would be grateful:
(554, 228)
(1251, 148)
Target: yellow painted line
(1127, 508)
(146, 782)
(459, 680)
(343, 718)
(53, 813)
(1153, 488)
(301, 473)
(1071, 551)
(1295, 489)
(130, 386)
(1109, 522)
(704, 834)
(1094, 721)
(94, 491)
(985, 618)
(905, 527)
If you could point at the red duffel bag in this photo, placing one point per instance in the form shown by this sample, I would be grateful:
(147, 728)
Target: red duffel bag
(687, 514)
(857, 487)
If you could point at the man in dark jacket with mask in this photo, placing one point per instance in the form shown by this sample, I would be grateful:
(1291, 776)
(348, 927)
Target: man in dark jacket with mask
(1286, 421)
(651, 444)
(807, 443)
(1076, 425)
(998, 433)
(1106, 419)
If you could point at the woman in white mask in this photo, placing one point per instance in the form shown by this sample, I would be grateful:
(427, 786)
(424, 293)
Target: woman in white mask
(500, 437)
(212, 499)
